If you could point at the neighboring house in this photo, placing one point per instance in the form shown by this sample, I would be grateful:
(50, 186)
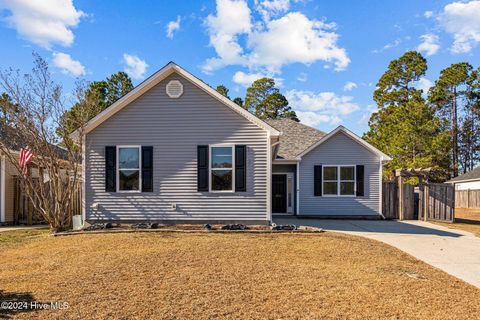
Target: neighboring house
(467, 181)
(175, 150)
(11, 211)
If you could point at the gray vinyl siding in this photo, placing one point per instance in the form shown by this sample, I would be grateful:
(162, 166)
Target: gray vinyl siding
(174, 127)
(340, 150)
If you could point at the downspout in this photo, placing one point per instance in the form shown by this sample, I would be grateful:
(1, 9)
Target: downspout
(297, 196)
(380, 191)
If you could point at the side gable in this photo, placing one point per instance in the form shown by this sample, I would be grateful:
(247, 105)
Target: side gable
(156, 78)
(354, 137)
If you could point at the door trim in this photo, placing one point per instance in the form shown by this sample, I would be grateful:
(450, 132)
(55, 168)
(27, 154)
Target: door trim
(290, 208)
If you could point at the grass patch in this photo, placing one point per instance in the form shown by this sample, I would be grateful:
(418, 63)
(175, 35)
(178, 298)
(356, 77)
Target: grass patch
(465, 219)
(22, 235)
(235, 276)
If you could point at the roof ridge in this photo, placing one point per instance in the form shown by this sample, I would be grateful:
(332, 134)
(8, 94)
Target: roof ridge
(298, 123)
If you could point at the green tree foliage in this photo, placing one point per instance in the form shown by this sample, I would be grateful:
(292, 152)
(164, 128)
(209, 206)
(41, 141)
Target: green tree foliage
(445, 95)
(265, 101)
(405, 126)
(99, 96)
(6, 107)
(396, 84)
(223, 90)
(238, 101)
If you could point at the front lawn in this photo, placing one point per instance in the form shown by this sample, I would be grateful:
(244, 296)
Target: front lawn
(237, 276)
(467, 220)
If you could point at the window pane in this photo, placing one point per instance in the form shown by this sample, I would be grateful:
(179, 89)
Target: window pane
(128, 158)
(129, 179)
(221, 180)
(330, 188)
(330, 173)
(347, 173)
(347, 188)
(221, 157)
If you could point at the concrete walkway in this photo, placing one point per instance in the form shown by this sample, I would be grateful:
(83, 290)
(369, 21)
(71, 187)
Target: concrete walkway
(454, 251)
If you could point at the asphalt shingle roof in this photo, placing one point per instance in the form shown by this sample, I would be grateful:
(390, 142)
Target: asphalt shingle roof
(470, 175)
(296, 137)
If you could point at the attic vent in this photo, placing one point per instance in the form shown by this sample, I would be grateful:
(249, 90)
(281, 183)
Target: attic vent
(174, 89)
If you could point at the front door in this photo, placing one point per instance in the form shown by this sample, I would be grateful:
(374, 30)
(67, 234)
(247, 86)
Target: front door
(279, 193)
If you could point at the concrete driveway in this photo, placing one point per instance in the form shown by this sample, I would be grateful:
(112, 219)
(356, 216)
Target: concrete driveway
(453, 251)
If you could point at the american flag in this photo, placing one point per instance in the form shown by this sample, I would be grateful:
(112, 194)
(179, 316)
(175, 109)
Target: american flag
(24, 158)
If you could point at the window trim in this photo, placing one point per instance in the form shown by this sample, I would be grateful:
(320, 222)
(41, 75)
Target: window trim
(210, 146)
(139, 168)
(338, 180)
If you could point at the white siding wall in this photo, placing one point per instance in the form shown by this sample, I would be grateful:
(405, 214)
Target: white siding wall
(340, 150)
(472, 185)
(174, 127)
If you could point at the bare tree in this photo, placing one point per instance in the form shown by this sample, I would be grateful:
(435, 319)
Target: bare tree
(36, 119)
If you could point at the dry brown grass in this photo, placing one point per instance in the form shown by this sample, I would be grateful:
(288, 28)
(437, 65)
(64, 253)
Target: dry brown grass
(236, 276)
(467, 220)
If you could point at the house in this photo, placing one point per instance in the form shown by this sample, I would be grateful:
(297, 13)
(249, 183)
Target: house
(175, 150)
(14, 205)
(467, 181)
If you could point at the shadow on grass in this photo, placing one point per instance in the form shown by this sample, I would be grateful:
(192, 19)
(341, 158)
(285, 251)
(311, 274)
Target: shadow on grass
(467, 221)
(14, 303)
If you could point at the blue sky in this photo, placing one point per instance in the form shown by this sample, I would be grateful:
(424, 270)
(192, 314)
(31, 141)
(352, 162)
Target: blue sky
(326, 55)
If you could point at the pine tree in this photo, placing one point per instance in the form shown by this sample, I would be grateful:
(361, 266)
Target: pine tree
(265, 101)
(445, 95)
(405, 126)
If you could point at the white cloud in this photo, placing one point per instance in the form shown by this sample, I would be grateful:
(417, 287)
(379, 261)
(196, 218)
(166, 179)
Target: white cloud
(302, 77)
(314, 119)
(45, 22)
(389, 45)
(349, 86)
(68, 65)
(173, 26)
(292, 38)
(269, 8)
(135, 67)
(462, 20)
(246, 79)
(371, 108)
(428, 14)
(232, 18)
(313, 108)
(424, 84)
(430, 44)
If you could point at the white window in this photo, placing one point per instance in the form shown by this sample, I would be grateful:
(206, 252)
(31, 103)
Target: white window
(221, 168)
(338, 181)
(128, 168)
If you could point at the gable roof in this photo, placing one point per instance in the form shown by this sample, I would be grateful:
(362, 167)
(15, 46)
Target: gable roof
(296, 137)
(352, 135)
(153, 80)
(469, 176)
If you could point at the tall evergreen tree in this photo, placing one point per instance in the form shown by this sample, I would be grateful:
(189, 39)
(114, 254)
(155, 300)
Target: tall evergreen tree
(405, 127)
(265, 101)
(445, 95)
(223, 90)
(101, 95)
(396, 84)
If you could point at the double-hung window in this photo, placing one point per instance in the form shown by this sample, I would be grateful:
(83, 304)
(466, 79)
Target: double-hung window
(221, 168)
(338, 180)
(128, 168)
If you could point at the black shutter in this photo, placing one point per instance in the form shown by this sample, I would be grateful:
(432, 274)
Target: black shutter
(110, 168)
(202, 168)
(147, 169)
(240, 168)
(317, 181)
(360, 170)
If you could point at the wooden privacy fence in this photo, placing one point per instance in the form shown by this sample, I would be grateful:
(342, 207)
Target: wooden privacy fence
(24, 212)
(467, 199)
(431, 201)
